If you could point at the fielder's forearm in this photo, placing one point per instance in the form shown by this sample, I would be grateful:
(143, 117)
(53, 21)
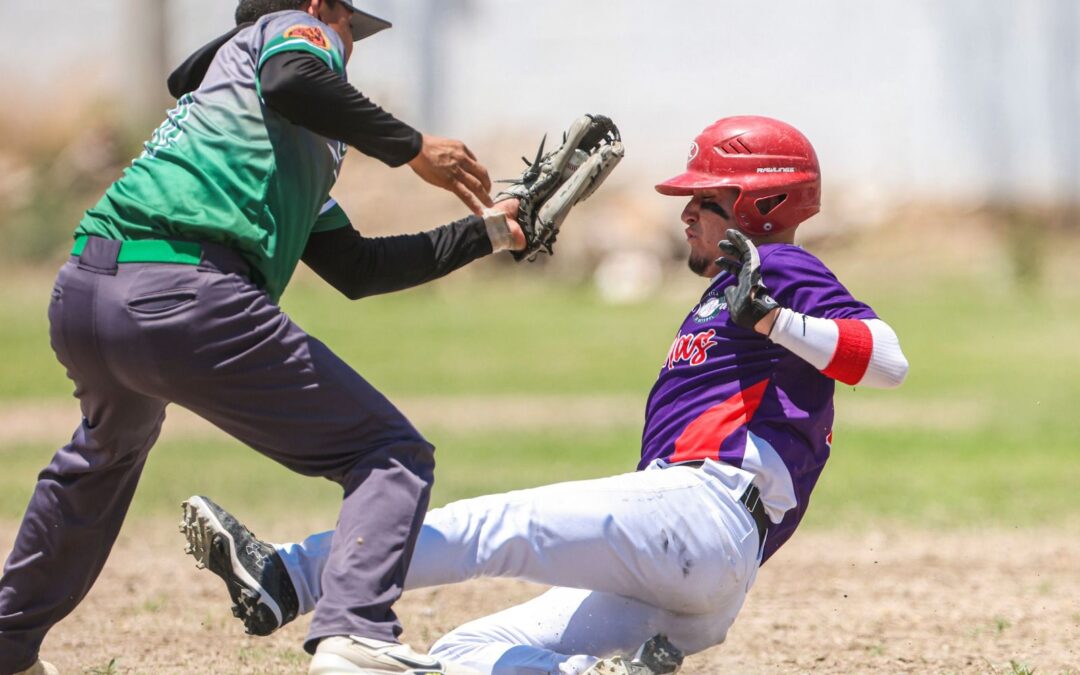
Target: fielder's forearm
(305, 91)
(360, 266)
(854, 351)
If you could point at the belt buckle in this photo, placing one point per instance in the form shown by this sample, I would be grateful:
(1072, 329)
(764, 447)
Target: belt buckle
(751, 497)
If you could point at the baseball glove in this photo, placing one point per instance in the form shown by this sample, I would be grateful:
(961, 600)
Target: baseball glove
(556, 181)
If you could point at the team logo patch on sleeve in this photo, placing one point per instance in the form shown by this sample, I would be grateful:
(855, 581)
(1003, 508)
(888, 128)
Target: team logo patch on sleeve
(708, 309)
(312, 34)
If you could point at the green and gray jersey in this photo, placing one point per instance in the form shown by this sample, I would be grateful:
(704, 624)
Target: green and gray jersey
(225, 168)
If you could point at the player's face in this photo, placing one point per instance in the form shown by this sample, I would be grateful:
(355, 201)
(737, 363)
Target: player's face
(338, 18)
(708, 217)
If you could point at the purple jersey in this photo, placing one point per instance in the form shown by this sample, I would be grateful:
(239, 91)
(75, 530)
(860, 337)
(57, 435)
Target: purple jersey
(728, 393)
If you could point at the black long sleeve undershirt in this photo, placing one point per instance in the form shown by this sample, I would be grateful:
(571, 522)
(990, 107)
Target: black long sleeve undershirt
(359, 266)
(306, 92)
(302, 89)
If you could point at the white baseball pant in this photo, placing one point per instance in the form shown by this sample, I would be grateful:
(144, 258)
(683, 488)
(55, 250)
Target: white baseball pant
(665, 550)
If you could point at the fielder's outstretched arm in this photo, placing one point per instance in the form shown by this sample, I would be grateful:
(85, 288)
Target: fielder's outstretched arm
(301, 88)
(360, 266)
(304, 90)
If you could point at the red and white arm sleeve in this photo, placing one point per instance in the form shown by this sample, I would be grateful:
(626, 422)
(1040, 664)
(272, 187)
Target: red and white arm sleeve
(854, 351)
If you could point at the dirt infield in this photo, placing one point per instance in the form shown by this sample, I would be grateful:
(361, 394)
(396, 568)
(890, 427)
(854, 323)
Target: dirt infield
(895, 602)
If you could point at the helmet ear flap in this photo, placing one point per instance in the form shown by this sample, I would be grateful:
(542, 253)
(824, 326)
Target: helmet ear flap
(766, 205)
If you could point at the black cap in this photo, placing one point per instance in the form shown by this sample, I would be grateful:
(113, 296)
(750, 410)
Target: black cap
(364, 24)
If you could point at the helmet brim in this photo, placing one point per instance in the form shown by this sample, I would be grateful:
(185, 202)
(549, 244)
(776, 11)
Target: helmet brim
(685, 184)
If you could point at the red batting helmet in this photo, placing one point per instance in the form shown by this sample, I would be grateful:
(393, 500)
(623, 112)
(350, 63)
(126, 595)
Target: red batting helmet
(762, 157)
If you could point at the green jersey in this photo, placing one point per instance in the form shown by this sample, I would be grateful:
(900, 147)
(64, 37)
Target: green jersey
(225, 168)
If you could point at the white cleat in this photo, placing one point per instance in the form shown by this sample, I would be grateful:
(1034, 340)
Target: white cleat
(40, 668)
(353, 655)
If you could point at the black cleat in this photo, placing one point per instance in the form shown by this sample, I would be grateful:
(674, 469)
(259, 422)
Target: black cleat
(659, 655)
(656, 657)
(262, 593)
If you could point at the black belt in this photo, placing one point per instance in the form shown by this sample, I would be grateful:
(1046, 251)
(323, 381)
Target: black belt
(751, 499)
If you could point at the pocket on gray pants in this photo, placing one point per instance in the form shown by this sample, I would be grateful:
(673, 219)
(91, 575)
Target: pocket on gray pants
(161, 302)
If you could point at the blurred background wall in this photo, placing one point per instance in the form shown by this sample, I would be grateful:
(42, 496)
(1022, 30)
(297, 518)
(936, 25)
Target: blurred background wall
(948, 135)
(916, 107)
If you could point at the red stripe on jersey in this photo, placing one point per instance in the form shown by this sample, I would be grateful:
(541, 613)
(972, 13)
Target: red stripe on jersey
(701, 439)
(853, 351)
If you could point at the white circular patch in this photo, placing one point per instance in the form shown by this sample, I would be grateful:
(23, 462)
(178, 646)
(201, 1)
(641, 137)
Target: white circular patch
(708, 308)
(767, 227)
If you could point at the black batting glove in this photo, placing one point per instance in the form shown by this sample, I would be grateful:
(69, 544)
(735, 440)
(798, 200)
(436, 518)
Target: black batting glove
(748, 301)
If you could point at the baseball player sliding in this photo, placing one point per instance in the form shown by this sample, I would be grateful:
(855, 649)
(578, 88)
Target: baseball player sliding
(170, 295)
(737, 430)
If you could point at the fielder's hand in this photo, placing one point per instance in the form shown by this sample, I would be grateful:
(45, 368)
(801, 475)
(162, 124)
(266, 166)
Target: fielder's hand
(447, 163)
(509, 209)
(748, 301)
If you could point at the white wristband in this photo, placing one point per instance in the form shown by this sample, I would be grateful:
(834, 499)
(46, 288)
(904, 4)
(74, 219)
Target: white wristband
(498, 231)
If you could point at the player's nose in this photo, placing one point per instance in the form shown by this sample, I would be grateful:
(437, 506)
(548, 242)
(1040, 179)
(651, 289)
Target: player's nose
(690, 212)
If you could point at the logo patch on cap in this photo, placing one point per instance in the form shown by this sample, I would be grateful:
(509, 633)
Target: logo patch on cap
(312, 34)
(694, 150)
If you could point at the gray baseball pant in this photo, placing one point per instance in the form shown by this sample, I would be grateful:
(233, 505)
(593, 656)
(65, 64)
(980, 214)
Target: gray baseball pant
(135, 337)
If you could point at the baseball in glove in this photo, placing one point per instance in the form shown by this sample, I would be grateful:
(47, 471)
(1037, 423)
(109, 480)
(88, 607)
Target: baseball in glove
(556, 181)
